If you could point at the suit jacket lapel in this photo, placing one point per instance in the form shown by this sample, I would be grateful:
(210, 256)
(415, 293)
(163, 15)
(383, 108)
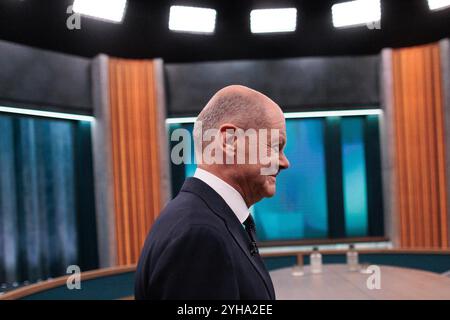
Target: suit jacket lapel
(219, 206)
(241, 237)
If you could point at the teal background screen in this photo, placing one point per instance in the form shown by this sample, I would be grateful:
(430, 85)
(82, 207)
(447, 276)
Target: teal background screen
(301, 208)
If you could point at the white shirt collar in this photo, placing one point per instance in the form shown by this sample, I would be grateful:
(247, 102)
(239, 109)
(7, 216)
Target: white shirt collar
(231, 196)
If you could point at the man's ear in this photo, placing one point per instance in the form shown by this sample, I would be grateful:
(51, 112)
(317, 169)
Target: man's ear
(228, 139)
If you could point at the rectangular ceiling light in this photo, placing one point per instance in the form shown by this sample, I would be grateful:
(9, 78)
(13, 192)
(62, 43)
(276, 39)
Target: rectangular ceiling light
(192, 19)
(438, 4)
(273, 20)
(110, 10)
(355, 13)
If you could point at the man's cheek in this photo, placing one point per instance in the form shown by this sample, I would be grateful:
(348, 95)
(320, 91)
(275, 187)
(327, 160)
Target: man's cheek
(273, 167)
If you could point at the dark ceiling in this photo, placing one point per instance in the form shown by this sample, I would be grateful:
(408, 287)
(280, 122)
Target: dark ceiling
(144, 32)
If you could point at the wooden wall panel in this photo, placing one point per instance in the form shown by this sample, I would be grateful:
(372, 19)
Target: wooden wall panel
(135, 151)
(420, 147)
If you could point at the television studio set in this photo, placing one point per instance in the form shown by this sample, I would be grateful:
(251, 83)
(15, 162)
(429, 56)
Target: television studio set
(198, 150)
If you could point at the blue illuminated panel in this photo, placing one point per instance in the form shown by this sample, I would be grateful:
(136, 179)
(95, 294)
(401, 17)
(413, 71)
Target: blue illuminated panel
(354, 176)
(299, 208)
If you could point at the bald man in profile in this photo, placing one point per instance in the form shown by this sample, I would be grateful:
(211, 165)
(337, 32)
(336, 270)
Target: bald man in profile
(203, 245)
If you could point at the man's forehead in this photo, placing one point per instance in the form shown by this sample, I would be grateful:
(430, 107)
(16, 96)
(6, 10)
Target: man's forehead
(278, 134)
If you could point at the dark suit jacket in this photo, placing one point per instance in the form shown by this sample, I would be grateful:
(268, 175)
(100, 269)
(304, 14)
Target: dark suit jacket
(198, 249)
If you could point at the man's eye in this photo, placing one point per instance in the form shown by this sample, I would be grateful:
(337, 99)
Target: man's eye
(275, 147)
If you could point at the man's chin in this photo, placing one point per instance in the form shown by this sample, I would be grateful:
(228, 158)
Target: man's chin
(270, 191)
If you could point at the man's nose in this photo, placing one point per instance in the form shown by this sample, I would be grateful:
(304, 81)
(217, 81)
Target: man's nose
(284, 162)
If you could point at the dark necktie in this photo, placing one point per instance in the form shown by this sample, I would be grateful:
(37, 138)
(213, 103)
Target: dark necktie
(251, 231)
